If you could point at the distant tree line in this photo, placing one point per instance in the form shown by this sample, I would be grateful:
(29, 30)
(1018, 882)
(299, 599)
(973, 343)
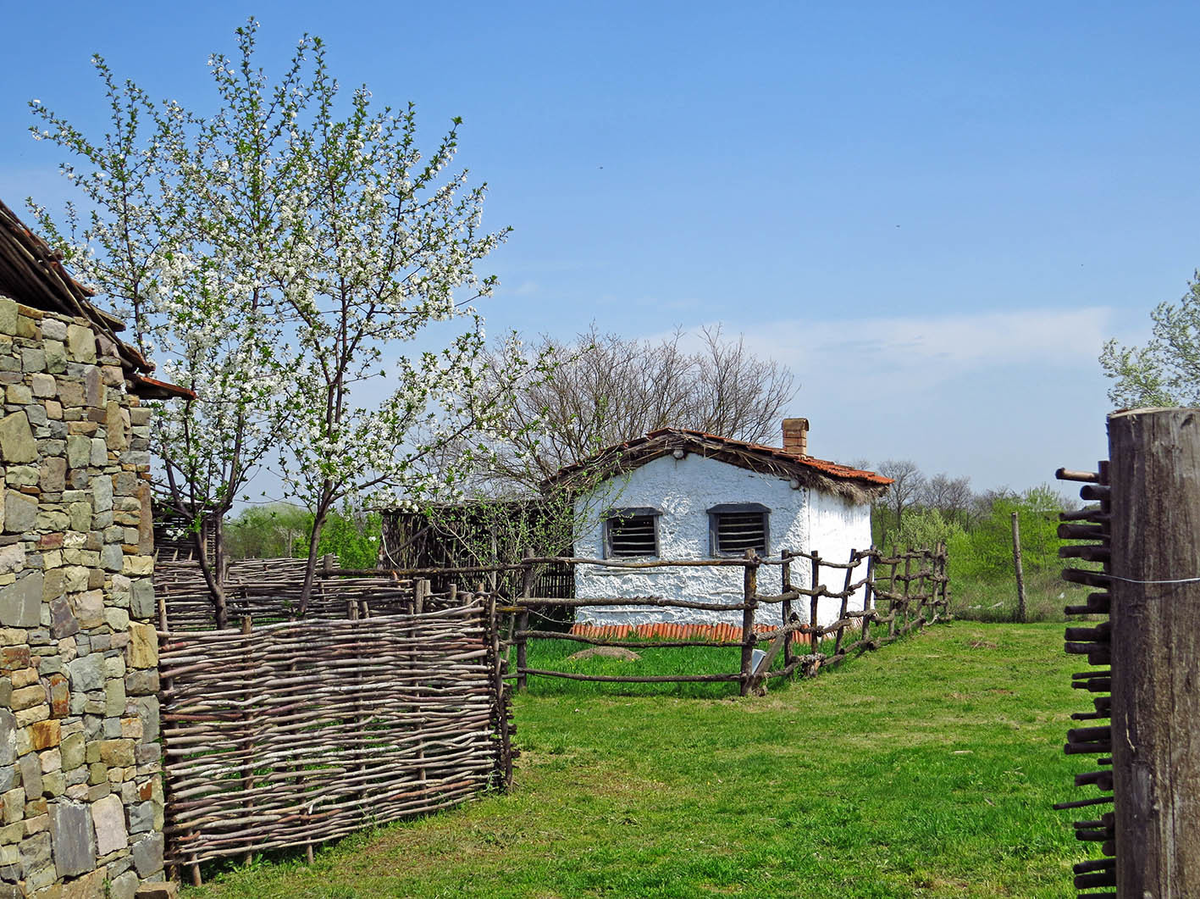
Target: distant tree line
(284, 530)
(921, 510)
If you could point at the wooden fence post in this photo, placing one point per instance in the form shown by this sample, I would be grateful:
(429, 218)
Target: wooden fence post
(750, 606)
(1155, 477)
(868, 597)
(892, 603)
(815, 572)
(837, 644)
(923, 582)
(504, 761)
(1016, 531)
(247, 768)
(786, 585)
(523, 620)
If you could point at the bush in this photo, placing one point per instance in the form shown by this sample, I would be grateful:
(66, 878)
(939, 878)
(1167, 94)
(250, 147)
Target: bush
(985, 551)
(283, 530)
(927, 528)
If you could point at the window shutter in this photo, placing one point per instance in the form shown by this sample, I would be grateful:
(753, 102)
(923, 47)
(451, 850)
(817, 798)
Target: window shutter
(632, 533)
(740, 531)
(737, 527)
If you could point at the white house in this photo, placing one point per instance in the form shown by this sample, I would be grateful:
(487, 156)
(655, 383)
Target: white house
(681, 494)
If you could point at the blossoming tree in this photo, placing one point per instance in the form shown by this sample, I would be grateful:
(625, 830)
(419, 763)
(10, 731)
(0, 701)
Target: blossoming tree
(274, 257)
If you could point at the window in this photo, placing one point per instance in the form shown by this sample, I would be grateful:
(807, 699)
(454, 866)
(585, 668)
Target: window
(734, 528)
(630, 533)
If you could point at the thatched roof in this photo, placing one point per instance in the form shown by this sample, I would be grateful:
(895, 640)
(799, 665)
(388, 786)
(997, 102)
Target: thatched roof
(853, 484)
(33, 275)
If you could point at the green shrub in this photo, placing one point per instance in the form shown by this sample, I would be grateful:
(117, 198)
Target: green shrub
(985, 550)
(283, 530)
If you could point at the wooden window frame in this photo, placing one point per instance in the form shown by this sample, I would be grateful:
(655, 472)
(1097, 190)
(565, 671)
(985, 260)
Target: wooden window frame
(714, 521)
(626, 514)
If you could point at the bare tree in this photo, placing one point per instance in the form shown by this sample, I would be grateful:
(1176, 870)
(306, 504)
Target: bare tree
(908, 486)
(602, 389)
(950, 496)
(737, 394)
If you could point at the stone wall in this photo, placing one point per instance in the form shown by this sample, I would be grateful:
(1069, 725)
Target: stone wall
(81, 799)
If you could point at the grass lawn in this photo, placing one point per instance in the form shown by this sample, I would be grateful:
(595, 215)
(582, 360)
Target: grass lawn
(925, 769)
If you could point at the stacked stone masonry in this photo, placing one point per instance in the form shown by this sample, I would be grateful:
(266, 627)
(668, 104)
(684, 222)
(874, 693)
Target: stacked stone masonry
(81, 799)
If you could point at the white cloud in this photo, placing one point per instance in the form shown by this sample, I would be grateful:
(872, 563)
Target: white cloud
(919, 352)
(525, 289)
(946, 390)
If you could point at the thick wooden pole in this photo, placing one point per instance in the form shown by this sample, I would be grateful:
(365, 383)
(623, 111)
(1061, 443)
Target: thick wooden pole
(1155, 477)
(814, 584)
(1016, 529)
(786, 583)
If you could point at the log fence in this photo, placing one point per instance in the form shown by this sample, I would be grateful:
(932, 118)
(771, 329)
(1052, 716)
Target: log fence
(913, 599)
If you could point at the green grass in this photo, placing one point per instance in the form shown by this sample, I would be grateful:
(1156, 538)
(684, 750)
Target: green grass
(995, 599)
(926, 769)
(553, 655)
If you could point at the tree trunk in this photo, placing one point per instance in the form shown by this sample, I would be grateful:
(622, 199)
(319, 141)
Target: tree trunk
(213, 566)
(310, 569)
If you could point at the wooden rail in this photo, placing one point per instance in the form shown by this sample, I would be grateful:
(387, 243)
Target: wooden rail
(914, 598)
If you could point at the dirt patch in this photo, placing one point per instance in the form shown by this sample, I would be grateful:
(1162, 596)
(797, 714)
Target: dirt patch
(606, 652)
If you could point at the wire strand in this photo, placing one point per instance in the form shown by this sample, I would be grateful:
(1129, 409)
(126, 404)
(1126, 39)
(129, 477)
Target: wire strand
(1130, 580)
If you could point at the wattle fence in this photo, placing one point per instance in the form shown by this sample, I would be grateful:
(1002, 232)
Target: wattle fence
(269, 590)
(297, 732)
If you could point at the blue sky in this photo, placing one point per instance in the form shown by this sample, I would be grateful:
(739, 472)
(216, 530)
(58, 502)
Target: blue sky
(933, 212)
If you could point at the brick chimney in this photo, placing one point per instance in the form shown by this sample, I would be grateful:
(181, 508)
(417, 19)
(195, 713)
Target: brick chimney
(795, 436)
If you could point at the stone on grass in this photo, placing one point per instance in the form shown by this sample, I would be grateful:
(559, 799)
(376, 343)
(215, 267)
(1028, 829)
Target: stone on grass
(606, 652)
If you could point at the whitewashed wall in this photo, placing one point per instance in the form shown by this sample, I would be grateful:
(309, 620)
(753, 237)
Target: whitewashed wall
(683, 490)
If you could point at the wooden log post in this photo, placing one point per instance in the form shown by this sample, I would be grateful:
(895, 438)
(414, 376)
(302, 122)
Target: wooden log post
(1155, 477)
(164, 690)
(750, 603)
(1020, 572)
(868, 597)
(841, 631)
(892, 604)
(923, 589)
(815, 584)
(504, 760)
(785, 582)
(527, 581)
(248, 767)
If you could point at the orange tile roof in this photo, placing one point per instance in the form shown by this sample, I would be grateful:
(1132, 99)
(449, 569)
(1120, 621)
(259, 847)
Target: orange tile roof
(767, 453)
